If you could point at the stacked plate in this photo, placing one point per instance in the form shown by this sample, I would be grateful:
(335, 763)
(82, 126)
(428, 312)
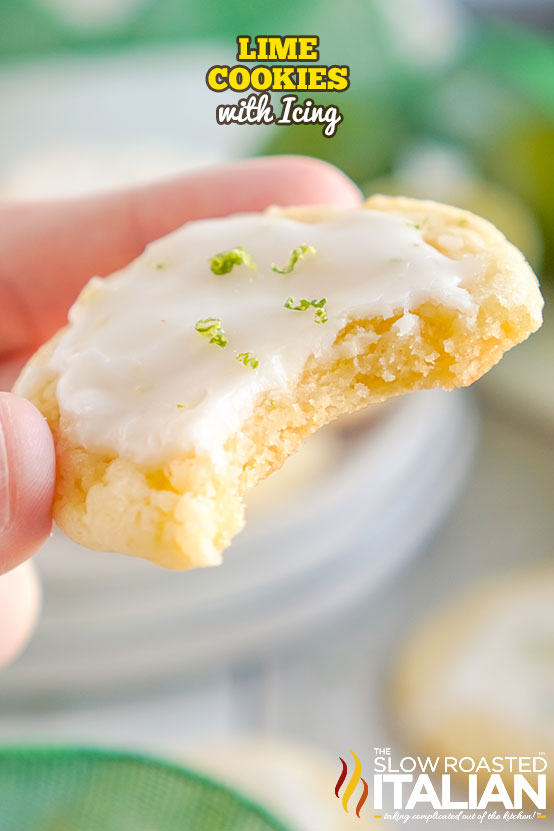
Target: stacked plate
(362, 502)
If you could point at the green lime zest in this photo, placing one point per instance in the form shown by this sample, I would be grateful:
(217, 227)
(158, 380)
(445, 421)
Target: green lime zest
(418, 225)
(248, 360)
(302, 305)
(210, 327)
(295, 255)
(225, 261)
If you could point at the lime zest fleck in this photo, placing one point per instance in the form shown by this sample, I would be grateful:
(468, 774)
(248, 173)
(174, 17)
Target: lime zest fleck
(159, 266)
(418, 225)
(295, 255)
(302, 305)
(182, 406)
(225, 261)
(248, 360)
(210, 327)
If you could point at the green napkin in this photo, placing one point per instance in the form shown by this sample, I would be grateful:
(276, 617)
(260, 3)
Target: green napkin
(72, 789)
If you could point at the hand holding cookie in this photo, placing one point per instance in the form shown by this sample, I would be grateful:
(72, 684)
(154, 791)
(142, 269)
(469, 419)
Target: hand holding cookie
(185, 378)
(47, 253)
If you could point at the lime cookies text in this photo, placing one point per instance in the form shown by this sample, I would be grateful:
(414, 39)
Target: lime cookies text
(290, 69)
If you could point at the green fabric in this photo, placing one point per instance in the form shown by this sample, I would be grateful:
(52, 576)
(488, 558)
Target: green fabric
(73, 789)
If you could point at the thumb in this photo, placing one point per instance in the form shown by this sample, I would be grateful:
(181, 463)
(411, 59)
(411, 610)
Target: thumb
(27, 470)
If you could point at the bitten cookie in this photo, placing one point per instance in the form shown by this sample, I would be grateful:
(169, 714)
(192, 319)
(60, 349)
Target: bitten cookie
(193, 373)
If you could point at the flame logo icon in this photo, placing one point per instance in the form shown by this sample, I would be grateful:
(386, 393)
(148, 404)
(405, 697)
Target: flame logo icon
(352, 784)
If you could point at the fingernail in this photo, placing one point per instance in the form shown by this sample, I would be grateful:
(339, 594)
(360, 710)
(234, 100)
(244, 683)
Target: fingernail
(5, 506)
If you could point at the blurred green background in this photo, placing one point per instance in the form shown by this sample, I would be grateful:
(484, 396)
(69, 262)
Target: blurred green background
(445, 102)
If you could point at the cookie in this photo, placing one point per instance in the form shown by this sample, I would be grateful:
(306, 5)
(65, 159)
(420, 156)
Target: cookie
(187, 377)
(477, 678)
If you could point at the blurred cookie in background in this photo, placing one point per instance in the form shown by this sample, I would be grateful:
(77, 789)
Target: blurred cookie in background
(476, 678)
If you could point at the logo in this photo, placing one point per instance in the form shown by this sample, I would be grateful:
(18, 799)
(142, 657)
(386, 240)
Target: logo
(352, 784)
(509, 788)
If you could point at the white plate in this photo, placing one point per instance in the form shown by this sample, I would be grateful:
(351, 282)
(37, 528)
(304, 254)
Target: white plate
(113, 621)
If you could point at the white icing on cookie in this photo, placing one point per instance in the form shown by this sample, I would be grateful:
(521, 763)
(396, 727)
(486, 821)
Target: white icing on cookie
(131, 354)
